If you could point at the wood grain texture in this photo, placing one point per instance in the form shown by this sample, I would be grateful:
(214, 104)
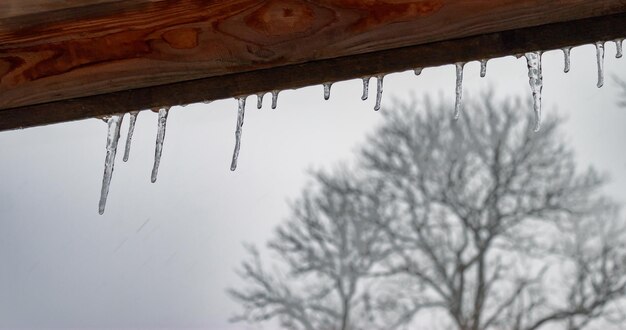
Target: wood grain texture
(13, 8)
(126, 47)
(114, 46)
(550, 36)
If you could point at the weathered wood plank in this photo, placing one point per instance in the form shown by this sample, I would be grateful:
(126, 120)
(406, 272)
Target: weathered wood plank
(551, 36)
(98, 57)
(114, 46)
(13, 8)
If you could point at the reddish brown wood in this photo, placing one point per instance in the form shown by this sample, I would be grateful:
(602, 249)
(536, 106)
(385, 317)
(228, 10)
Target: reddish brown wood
(294, 76)
(12, 8)
(113, 46)
(136, 54)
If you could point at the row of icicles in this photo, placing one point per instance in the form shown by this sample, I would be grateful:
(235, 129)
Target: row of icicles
(533, 60)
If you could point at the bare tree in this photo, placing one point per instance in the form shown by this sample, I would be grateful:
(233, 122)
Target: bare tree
(498, 225)
(330, 247)
(480, 219)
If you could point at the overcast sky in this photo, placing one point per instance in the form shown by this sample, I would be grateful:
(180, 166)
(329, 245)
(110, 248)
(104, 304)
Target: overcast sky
(163, 254)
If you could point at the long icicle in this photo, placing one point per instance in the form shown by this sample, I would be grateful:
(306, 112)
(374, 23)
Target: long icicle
(131, 129)
(619, 48)
(366, 88)
(275, 98)
(158, 150)
(379, 91)
(535, 78)
(113, 135)
(458, 105)
(240, 114)
(600, 60)
(259, 100)
(567, 58)
(483, 67)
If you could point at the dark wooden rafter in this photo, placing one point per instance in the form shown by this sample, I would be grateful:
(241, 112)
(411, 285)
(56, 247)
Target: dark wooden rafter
(79, 61)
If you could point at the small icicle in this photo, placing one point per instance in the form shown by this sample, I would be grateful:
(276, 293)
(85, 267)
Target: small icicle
(566, 55)
(327, 90)
(535, 79)
(458, 105)
(483, 67)
(259, 100)
(366, 88)
(113, 135)
(418, 71)
(600, 59)
(163, 112)
(240, 114)
(275, 98)
(619, 47)
(379, 91)
(131, 128)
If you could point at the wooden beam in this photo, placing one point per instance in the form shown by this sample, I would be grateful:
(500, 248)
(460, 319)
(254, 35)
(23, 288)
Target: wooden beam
(136, 54)
(13, 8)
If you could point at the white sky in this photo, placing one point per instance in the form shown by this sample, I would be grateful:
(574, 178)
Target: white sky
(163, 254)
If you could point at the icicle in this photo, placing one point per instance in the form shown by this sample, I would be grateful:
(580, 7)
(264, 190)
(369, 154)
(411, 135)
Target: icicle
(535, 79)
(259, 100)
(366, 88)
(483, 67)
(240, 114)
(159, 142)
(600, 59)
(619, 47)
(206, 101)
(275, 98)
(131, 128)
(113, 135)
(327, 90)
(458, 105)
(418, 71)
(566, 56)
(379, 91)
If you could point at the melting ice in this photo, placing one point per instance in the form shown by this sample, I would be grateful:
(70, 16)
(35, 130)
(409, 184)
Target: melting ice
(366, 88)
(327, 87)
(113, 135)
(566, 56)
(483, 67)
(275, 98)
(240, 114)
(600, 60)
(535, 78)
(379, 91)
(534, 74)
(163, 112)
(131, 129)
(459, 90)
(259, 100)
